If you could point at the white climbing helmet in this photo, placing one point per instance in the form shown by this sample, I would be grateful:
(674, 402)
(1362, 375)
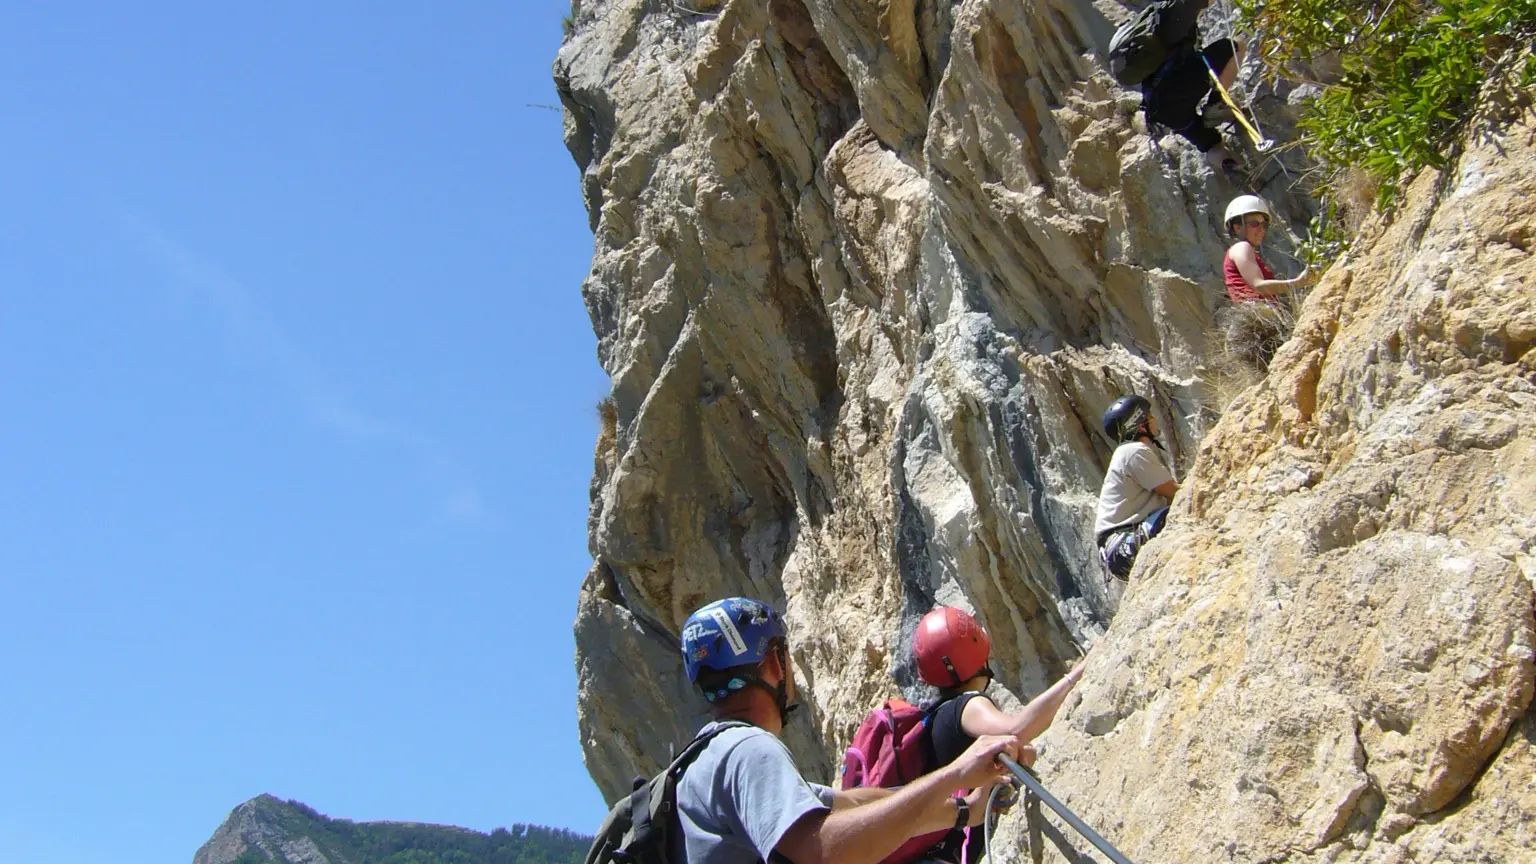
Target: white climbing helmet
(1242, 205)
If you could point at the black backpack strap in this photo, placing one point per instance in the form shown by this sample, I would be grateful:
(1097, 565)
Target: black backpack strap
(651, 809)
(693, 748)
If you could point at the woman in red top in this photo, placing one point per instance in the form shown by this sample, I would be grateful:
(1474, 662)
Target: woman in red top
(1248, 278)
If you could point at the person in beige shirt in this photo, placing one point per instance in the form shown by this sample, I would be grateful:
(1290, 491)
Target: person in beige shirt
(1138, 487)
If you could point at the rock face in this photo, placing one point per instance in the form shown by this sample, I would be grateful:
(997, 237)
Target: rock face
(866, 274)
(1329, 657)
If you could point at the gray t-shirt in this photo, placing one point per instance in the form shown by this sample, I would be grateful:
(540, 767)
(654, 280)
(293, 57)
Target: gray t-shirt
(1126, 497)
(739, 797)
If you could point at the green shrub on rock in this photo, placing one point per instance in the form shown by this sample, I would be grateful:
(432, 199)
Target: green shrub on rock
(1409, 75)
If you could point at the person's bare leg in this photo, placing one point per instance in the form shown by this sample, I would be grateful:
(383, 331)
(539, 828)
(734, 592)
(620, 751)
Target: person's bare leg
(1229, 71)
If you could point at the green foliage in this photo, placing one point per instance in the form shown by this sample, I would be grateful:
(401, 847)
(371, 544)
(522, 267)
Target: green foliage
(415, 843)
(1326, 238)
(1411, 74)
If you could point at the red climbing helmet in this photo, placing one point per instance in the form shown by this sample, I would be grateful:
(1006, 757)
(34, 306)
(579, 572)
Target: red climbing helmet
(951, 647)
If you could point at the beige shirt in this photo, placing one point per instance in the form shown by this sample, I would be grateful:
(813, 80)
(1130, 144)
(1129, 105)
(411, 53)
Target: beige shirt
(1126, 497)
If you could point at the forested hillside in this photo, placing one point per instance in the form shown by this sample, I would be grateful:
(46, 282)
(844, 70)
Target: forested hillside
(268, 829)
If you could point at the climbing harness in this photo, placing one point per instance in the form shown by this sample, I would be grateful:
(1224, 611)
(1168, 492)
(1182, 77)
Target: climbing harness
(1033, 796)
(1260, 143)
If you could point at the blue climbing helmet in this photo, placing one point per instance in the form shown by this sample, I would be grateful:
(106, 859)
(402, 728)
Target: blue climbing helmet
(732, 632)
(1124, 417)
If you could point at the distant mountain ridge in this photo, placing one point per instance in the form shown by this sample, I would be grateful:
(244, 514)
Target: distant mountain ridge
(267, 829)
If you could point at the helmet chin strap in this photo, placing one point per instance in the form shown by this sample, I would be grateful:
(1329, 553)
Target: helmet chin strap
(986, 669)
(954, 675)
(1145, 431)
(780, 698)
(780, 691)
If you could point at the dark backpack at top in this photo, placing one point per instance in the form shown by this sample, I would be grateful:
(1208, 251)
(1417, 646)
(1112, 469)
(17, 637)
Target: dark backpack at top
(891, 748)
(639, 828)
(1143, 44)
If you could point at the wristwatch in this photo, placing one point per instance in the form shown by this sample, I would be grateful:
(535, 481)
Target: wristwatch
(962, 813)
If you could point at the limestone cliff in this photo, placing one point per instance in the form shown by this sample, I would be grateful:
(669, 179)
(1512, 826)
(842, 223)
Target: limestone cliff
(1329, 657)
(864, 277)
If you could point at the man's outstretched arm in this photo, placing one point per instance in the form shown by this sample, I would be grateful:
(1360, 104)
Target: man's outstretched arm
(867, 832)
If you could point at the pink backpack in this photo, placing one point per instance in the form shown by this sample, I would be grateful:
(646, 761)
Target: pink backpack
(892, 748)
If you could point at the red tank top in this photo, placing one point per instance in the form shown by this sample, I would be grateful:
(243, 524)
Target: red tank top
(1237, 287)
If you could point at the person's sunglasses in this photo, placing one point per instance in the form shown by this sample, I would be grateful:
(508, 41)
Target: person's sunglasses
(1259, 222)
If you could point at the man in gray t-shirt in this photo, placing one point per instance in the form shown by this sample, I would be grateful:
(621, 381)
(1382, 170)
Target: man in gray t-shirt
(1138, 487)
(743, 801)
(741, 795)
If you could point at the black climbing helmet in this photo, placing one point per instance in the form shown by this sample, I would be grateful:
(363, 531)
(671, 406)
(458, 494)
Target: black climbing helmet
(1124, 417)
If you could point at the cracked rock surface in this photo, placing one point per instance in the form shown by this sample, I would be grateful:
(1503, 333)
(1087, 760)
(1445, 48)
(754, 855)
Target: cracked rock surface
(1329, 655)
(865, 275)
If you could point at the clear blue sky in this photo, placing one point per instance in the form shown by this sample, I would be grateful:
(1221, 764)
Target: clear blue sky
(296, 418)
